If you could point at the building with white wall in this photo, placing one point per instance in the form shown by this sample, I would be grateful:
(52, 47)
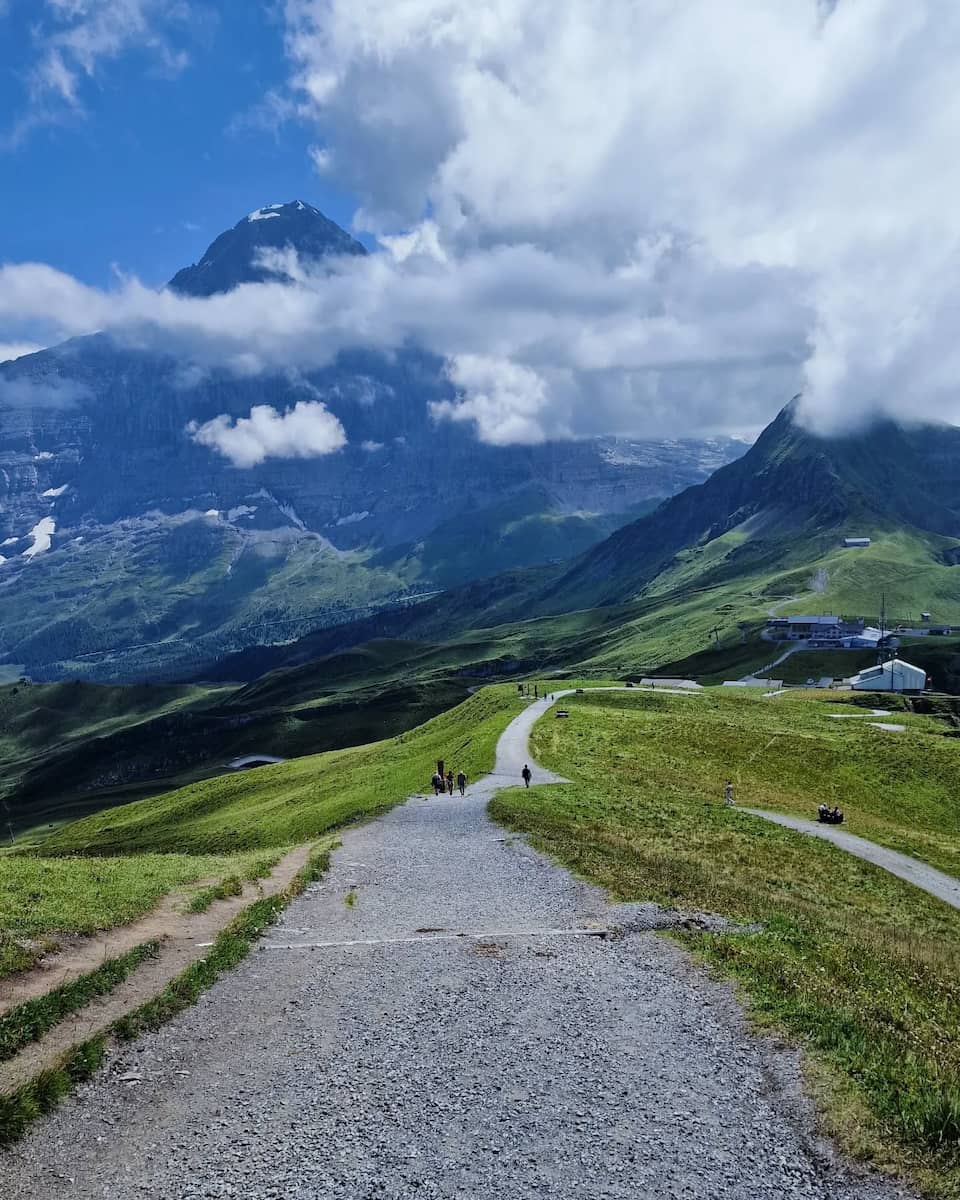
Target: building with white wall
(895, 675)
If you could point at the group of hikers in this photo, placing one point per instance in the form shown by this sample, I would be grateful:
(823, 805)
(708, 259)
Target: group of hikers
(444, 783)
(830, 816)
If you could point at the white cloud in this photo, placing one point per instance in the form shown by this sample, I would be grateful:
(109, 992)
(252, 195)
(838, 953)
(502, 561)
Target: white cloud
(504, 400)
(308, 430)
(41, 392)
(816, 139)
(603, 340)
(637, 218)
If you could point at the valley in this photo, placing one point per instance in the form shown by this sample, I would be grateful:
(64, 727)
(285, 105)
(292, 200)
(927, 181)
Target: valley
(159, 553)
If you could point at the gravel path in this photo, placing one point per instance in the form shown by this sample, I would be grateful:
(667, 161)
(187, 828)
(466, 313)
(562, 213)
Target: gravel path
(944, 887)
(366, 1049)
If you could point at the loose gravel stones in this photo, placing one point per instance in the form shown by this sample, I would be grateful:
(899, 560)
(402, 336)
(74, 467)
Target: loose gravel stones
(461, 1030)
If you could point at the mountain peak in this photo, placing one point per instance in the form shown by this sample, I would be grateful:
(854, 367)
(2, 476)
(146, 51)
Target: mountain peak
(235, 256)
(282, 211)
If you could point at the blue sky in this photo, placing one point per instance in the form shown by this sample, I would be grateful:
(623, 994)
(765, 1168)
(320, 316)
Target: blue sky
(159, 161)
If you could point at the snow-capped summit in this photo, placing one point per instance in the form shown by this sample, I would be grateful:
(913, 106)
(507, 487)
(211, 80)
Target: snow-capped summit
(234, 257)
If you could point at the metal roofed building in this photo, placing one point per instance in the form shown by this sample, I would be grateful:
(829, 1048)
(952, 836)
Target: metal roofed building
(895, 675)
(800, 629)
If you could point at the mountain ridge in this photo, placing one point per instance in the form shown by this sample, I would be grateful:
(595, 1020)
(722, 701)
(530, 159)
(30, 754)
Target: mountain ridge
(708, 562)
(790, 484)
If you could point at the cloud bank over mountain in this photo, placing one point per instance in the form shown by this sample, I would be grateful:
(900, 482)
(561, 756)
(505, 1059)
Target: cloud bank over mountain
(651, 218)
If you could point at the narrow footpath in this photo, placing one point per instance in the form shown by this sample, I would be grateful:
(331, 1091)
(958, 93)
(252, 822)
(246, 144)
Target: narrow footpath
(447, 1014)
(920, 874)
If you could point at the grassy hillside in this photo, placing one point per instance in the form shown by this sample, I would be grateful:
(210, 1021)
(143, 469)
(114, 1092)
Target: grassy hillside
(48, 732)
(42, 899)
(524, 529)
(297, 801)
(702, 614)
(112, 867)
(70, 749)
(857, 965)
(788, 501)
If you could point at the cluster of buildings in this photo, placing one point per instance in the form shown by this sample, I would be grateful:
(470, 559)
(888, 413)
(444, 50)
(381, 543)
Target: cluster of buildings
(829, 633)
(836, 633)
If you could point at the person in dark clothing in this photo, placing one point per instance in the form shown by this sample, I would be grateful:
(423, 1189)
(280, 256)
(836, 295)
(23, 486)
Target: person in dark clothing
(450, 781)
(527, 774)
(461, 782)
(437, 783)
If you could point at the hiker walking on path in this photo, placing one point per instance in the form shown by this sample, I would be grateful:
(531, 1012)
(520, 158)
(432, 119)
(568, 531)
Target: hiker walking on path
(437, 783)
(461, 782)
(450, 781)
(527, 774)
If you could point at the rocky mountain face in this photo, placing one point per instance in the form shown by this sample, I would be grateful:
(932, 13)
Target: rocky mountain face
(128, 550)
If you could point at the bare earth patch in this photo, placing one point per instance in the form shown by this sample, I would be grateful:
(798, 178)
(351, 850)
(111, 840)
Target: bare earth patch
(183, 937)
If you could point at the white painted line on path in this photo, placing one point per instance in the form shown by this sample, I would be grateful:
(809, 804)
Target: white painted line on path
(441, 937)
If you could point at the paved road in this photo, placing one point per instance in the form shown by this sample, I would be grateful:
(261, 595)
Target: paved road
(944, 887)
(436, 1018)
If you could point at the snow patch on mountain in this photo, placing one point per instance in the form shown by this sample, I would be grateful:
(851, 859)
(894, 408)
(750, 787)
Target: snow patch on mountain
(241, 510)
(289, 511)
(42, 534)
(353, 518)
(52, 493)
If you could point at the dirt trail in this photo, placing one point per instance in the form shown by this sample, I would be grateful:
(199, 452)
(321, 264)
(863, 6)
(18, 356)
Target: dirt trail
(184, 938)
(166, 923)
